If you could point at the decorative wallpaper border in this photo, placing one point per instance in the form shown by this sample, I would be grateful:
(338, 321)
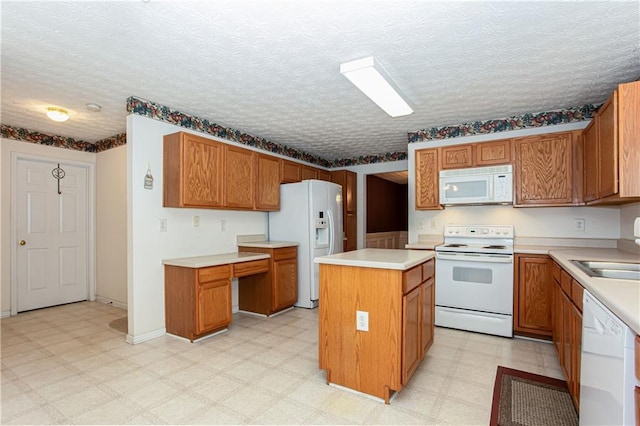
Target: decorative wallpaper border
(538, 119)
(24, 135)
(163, 113)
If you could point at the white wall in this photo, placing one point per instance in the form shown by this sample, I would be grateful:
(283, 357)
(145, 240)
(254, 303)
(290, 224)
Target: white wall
(8, 148)
(601, 222)
(627, 215)
(111, 226)
(147, 246)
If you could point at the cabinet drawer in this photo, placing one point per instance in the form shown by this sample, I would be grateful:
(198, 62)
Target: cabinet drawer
(243, 269)
(565, 282)
(638, 357)
(411, 279)
(213, 273)
(428, 269)
(285, 253)
(576, 294)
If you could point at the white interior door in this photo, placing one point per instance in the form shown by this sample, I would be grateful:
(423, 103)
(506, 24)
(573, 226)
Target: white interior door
(51, 231)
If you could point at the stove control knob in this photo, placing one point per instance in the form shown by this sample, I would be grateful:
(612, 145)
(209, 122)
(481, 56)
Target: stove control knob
(457, 231)
(485, 231)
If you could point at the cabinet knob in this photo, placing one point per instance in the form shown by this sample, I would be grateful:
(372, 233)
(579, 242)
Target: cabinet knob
(22, 242)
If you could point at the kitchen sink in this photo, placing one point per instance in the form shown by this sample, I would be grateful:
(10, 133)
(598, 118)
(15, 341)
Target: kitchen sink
(617, 270)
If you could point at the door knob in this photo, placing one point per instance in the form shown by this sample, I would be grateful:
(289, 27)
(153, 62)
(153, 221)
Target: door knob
(22, 242)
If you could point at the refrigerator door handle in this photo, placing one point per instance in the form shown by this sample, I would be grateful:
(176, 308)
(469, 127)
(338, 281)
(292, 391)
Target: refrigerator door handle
(331, 231)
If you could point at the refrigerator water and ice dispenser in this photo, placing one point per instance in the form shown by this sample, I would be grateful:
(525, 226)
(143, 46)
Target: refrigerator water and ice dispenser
(322, 231)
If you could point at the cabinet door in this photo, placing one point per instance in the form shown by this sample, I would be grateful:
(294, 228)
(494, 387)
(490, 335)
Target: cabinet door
(590, 137)
(350, 191)
(309, 173)
(428, 314)
(558, 321)
(576, 349)
(607, 156)
(492, 153)
(213, 308)
(350, 232)
(291, 172)
(567, 334)
(411, 332)
(324, 175)
(543, 170)
(267, 182)
(285, 283)
(533, 295)
(628, 142)
(427, 195)
(192, 171)
(239, 178)
(457, 156)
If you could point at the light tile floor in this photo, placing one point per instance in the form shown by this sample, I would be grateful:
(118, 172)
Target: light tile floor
(66, 365)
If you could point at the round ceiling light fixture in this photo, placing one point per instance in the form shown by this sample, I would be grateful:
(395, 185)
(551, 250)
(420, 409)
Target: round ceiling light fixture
(59, 115)
(93, 107)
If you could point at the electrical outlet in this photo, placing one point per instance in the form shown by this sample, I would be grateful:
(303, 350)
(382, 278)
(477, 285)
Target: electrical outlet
(223, 225)
(196, 221)
(579, 224)
(162, 225)
(362, 321)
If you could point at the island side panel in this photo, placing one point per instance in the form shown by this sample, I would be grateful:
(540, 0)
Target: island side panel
(367, 361)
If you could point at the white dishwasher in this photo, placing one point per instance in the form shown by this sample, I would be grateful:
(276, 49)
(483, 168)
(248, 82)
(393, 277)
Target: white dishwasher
(607, 375)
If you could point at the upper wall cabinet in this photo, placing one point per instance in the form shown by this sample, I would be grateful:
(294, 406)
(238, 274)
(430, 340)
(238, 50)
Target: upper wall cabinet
(544, 170)
(192, 171)
(427, 169)
(295, 172)
(612, 149)
(202, 173)
(476, 154)
(348, 181)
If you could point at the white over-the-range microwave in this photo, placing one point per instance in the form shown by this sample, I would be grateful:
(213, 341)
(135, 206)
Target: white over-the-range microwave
(479, 185)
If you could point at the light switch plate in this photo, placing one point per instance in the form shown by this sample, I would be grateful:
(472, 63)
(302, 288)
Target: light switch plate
(362, 321)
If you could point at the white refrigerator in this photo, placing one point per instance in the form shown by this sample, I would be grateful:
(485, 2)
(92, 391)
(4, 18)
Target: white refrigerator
(311, 215)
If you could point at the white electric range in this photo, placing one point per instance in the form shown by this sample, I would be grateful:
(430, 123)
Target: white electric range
(474, 279)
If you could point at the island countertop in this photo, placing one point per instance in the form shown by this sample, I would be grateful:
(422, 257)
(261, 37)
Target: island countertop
(378, 258)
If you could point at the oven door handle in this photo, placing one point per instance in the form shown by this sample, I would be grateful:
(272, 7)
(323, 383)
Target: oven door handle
(476, 257)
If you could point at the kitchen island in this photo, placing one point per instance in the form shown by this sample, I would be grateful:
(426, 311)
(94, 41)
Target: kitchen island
(376, 317)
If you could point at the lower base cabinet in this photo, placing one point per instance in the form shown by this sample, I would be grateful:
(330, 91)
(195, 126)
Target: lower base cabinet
(532, 296)
(400, 308)
(567, 327)
(275, 290)
(197, 300)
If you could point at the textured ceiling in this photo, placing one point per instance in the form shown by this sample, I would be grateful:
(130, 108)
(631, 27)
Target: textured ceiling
(271, 68)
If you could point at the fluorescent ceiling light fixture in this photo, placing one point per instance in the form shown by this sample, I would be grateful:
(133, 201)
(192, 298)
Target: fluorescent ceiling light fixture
(372, 80)
(57, 114)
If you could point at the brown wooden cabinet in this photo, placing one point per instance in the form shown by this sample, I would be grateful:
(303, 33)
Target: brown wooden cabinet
(427, 169)
(267, 182)
(239, 178)
(197, 300)
(544, 170)
(612, 149)
(457, 156)
(308, 172)
(567, 327)
(291, 172)
(193, 170)
(493, 153)
(533, 295)
(399, 304)
(349, 182)
(275, 290)
(324, 175)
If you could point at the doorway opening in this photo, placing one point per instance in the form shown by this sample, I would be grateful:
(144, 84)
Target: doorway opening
(387, 210)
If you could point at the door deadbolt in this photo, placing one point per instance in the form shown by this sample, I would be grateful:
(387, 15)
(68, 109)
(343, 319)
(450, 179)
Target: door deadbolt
(22, 242)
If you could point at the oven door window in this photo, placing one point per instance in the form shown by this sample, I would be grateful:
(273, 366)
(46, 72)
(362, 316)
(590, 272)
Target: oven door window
(472, 275)
(471, 189)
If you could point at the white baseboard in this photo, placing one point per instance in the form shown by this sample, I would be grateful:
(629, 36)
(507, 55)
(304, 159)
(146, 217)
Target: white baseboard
(134, 340)
(108, 301)
(5, 314)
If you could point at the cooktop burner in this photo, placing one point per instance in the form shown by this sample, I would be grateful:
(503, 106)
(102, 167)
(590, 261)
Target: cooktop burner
(501, 247)
(455, 245)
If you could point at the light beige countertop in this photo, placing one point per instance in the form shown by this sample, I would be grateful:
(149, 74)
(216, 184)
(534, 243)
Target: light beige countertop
(536, 245)
(622, 297)
(425, 242)
(378, 258)
(269, 244)
(214, 259)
